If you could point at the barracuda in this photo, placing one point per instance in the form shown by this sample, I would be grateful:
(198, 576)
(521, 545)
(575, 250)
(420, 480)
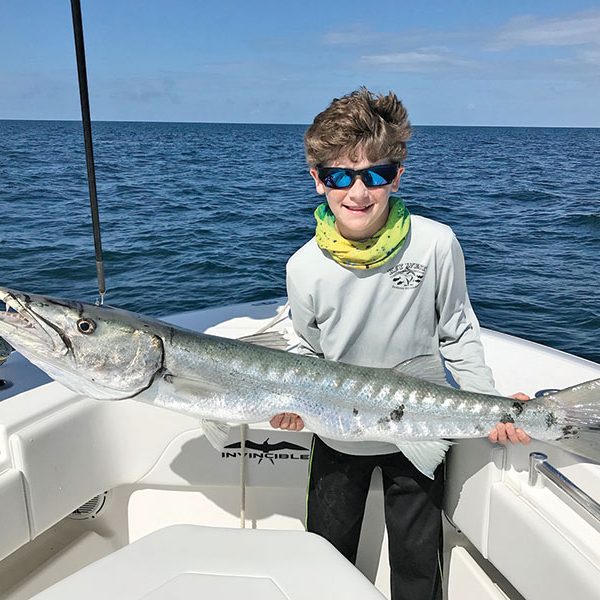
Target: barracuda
(111, 354)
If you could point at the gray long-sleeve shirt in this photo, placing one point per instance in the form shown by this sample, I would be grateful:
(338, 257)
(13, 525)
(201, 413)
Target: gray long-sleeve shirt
(413, 305)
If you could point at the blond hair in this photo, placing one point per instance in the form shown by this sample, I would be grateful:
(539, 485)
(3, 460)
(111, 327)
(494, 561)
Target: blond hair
(359, 125)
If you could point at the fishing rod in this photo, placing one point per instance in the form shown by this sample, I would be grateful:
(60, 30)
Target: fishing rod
(89, 150)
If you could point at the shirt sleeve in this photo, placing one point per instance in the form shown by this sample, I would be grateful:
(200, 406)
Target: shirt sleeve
(303, 318)
(458, 328)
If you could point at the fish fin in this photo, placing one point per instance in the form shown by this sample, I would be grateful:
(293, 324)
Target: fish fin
(427, 366)
(196, 387)
(275, 340)
(581, 404)
(426, 456)
(269, 337)
(216, 433)
(583, 442)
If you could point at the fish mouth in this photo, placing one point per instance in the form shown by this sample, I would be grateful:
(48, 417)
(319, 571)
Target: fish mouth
(15, 313)
(23, 329)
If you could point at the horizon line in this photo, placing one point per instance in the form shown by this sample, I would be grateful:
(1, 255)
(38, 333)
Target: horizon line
(290, 124)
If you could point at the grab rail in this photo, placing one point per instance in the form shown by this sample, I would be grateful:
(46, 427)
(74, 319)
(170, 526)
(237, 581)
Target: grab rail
(539, 465)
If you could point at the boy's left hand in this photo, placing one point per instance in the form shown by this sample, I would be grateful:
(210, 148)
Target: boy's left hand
(504, 432)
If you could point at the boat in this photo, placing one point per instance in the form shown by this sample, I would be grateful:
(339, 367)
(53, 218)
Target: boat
(98, 496)
(125, 499)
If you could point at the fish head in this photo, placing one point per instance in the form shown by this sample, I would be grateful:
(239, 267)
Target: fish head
(97, 351)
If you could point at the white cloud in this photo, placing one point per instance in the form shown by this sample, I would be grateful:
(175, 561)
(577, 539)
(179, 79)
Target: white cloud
(587, 60)
(358, 35)
(422, 59)
(590, 57)
(578, 29)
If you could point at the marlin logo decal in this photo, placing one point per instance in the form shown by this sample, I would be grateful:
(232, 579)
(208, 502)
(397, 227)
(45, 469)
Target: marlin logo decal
(266, 448)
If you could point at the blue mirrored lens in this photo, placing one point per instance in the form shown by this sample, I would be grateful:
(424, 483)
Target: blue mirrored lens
(338, 179)
(371, 177)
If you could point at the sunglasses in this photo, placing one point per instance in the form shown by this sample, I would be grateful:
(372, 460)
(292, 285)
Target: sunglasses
(339, 178)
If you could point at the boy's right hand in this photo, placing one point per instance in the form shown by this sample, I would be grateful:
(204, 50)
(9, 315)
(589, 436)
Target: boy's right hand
(289, 421)
(507, 432)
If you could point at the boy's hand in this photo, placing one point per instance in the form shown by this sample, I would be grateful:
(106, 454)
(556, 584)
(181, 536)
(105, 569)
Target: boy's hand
(507, 431)
(289, 421)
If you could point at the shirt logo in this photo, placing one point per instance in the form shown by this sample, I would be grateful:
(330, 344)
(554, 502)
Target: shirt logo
(407, 275)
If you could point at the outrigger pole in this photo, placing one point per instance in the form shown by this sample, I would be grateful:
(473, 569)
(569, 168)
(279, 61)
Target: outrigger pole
(87, 136)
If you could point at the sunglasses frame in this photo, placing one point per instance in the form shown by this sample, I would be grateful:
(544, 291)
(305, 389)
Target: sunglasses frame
(324, 172)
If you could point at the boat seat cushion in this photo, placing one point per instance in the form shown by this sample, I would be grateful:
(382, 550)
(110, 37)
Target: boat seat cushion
(190, 561)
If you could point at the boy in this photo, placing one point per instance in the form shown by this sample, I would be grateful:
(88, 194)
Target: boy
(376, 287)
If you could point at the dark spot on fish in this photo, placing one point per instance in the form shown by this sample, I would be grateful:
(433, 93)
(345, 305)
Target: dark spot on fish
(518, 408)
(479, 428)
(551, 419)
(383, 421)
(355, 412)
(398, 413)
(568, 432)
(506, 418)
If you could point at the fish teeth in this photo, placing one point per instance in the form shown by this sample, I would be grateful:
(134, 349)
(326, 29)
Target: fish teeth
(12, 311)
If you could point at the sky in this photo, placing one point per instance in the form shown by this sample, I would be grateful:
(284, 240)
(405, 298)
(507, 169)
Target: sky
(510, 63)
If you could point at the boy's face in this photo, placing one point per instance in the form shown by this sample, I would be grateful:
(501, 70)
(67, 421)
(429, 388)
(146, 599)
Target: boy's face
(359, 211)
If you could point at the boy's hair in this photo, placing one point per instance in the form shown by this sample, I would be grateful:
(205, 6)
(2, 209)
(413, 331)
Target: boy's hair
(360, 124)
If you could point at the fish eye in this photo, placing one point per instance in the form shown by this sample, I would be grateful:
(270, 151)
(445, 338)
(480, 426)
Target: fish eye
(86, 326)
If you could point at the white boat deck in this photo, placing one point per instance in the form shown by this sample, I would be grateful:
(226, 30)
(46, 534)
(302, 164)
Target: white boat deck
(59, 450)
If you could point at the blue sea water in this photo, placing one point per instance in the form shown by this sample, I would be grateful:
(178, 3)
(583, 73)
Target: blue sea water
(197, 215)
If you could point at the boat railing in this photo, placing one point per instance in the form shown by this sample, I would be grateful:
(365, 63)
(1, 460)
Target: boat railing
(539, 467)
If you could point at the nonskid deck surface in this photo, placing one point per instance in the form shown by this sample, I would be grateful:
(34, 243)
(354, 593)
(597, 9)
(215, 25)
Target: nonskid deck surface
(58, 450)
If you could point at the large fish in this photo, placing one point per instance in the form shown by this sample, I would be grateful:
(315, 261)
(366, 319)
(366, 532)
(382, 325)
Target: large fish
(111, 354)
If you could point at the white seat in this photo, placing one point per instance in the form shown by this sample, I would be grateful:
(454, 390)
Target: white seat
(189, 561)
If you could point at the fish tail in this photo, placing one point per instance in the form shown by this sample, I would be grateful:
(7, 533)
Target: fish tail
(581, 423)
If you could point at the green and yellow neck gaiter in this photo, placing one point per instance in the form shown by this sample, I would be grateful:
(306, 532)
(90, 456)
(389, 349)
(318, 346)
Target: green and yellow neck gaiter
(365, 254)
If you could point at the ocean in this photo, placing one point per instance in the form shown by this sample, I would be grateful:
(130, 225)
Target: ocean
(199, 214)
